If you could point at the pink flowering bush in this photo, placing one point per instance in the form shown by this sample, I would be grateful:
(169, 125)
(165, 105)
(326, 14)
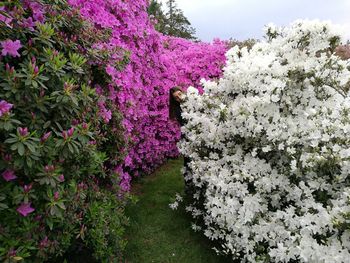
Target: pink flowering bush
(84, 107)
(156, 63)
(60, 139)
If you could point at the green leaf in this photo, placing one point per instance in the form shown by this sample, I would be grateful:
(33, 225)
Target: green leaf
(70, 148)
(47, 124)
(21, 149)
(14, 146)
(30, 146)
(11, 140)
(61, 205)
(3, 206)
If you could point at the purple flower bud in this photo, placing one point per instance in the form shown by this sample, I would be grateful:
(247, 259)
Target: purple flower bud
(38, 217)
(85, 126)
(64, 135)
(8, 157)
(81, 185)
(30, 42)
(44, 242)
(66, 87)
(42, 93)
(56, 195)
(36, 70)
(45, 137)
(61, 178)
(23, 131)
(70, 132)
(75, 122)
(7, 67)
(33, 60)
(49, 168)
(27, 188)
(12, 253)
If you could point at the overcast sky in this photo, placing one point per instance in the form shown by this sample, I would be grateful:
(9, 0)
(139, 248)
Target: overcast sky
(242, 19)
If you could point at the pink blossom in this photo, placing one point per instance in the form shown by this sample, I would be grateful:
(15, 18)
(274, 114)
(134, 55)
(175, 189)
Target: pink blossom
(44, 242)
(106, 115)
(23, 131)
(140, 89)
(29, 23)
(110, 70)
(61, 178)
(9, 175)
(92, 142)
(70, 132)
(12, 253)
(5, 19)
(5, 107)
(25, 208)
(56, 195)
(49, 168)
(36, 70)
(67, 134)
(8, 157)
(27, 188)
(10, 47)
(45, 137)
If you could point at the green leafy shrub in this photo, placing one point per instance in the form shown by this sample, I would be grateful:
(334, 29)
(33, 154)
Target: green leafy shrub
(59, 139)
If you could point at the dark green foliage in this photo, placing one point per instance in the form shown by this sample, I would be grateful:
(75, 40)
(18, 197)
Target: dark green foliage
(54, 140)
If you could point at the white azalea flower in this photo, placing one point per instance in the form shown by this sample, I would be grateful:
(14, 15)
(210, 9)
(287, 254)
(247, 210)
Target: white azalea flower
(269, 146)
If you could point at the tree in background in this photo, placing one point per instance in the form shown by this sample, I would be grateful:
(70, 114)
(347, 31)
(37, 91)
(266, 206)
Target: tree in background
(171, 22)
(155, 11)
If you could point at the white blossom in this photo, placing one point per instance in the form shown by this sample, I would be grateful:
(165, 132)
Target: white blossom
(269, 147)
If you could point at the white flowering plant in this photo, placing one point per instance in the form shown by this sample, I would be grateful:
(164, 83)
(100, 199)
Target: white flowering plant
(270, 149)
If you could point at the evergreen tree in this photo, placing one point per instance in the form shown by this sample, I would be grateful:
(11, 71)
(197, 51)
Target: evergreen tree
(173, 22)
(155, 10)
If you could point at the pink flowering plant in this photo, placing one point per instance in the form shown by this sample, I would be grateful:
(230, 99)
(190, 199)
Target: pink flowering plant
(156, 63)
(60, 136)
(84, 94)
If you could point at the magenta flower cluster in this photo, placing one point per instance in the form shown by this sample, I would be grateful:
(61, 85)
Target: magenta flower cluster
(5, 107)
(157, 63)
(10, 47)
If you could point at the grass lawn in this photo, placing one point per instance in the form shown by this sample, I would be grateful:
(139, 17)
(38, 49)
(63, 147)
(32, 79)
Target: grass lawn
(159, 234)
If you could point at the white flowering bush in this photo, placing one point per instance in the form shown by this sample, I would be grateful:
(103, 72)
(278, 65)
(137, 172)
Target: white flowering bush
(270, 149)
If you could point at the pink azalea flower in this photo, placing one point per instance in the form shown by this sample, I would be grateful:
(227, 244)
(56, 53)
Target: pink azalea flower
(29, 23)
(61, 178)
(10, 47)
(27, 188)
(9, 175)
(5, 19)
(44, 242)
(67, 134)
(70, 132)
(45, 137)
(5, 107)
(23, 131)
(106, 115)
(24, 209)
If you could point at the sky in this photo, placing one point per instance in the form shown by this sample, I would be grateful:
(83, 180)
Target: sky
(243, 19)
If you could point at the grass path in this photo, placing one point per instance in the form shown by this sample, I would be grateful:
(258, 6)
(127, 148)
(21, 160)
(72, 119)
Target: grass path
(157, 233)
